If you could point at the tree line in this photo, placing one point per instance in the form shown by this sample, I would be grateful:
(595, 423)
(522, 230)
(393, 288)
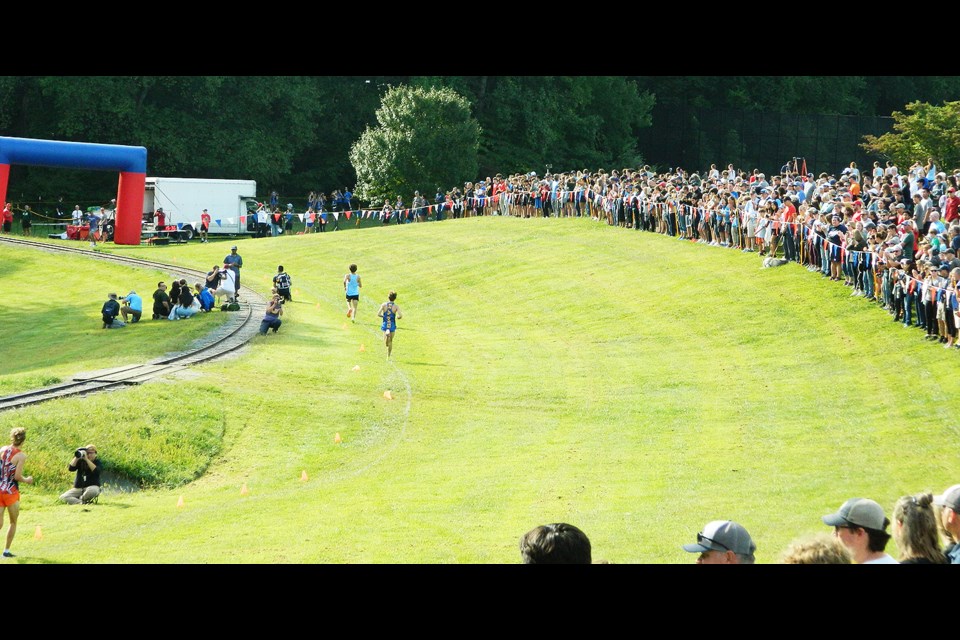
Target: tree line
(295, 134)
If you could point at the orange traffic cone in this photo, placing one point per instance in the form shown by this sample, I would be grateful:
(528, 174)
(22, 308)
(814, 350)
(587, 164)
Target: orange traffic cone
(362, 348)
(356, 367)
(318, 305)
(388, 395)
(303, 476)
(180, 503)
(38, 535)
(243, 490)
(337, 439)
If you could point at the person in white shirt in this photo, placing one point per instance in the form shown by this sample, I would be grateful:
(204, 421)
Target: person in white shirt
(860, 524)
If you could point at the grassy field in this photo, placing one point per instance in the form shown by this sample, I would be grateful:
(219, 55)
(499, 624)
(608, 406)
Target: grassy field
(544, 371)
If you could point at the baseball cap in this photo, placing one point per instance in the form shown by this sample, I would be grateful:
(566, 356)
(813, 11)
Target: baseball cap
(233, 247)
(723, 535)
(204, 209)
(900, 205)
(861, 512)
(949, 498)
(951, 190)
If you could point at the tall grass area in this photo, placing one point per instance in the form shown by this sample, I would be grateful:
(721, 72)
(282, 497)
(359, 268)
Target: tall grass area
(544, 371)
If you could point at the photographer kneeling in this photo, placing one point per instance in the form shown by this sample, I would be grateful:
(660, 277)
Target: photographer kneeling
(271, 320)
(86, 486)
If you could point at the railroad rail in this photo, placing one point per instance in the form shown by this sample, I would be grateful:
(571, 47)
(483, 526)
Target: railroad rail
(228, 337)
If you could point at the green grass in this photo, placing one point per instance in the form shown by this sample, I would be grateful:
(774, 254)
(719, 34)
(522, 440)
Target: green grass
(50, 307)
(544, 371)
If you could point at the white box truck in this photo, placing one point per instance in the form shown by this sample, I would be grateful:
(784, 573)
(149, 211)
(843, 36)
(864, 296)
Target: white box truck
(232, 204)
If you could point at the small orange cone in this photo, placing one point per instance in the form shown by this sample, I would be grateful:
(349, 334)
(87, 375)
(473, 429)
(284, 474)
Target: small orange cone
(180, 503)
(296, 292)
(318, 305)
(388, 395)
(337, 439)
(362, 348)
(243, 490)
(38, 535)
(303, 476)
(356, 367)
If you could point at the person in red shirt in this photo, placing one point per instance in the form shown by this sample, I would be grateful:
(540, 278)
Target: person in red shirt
(7, 218)
(204, 225)
(951, 206)
(161, 219)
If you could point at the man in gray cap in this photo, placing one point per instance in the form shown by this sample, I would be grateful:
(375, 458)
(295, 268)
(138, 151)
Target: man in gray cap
(723, 542)
(110, 311)
(949, 503)
(234, 262)
(860, 525)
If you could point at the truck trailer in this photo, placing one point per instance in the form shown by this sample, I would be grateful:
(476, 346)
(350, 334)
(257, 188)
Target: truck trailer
(231, 204)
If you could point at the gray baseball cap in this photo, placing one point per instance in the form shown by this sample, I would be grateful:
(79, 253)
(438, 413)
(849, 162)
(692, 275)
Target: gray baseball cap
(723, 535)
(949, 498)
(861, 512)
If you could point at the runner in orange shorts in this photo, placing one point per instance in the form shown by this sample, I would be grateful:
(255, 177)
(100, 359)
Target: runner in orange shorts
(11, 475)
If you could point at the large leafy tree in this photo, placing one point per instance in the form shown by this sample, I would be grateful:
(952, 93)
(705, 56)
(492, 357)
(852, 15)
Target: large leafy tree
(424, 138)
(923, 131)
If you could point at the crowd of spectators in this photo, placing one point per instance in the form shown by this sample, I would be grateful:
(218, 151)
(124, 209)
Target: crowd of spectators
(926, 529)
(892, 237)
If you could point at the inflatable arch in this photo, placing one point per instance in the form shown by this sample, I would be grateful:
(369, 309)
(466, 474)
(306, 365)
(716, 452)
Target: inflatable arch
(131, 162)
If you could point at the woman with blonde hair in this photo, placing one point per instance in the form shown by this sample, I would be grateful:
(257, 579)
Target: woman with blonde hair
(915, 530)
(11, 475)
(817, 549)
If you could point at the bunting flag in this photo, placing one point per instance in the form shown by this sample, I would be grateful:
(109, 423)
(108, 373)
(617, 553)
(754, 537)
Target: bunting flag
(348, 214)
(218, 222)
(804, 170)
(300, 215)
(323, 216)
(336, 215)
(179, 225)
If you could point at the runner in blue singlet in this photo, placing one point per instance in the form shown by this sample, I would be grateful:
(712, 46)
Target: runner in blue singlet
(352, 284)
(390, 313)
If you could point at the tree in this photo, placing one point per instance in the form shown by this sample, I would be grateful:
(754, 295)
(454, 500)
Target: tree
(425, 137)
(926, 131)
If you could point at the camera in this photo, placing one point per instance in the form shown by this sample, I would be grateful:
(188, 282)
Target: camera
(80, 453)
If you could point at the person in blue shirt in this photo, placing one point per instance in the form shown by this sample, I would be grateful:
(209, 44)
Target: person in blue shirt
(390, 313)
(206, 297)
(352, 284)
(133, 305)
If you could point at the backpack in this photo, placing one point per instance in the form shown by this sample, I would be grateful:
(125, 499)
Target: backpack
(230, 306)
(283, 281)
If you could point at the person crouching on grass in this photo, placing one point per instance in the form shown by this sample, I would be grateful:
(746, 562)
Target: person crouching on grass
(271, 320)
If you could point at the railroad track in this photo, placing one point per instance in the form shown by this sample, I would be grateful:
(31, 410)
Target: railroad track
(228, 337)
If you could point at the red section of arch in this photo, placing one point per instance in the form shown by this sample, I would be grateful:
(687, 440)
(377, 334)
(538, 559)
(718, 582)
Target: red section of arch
(129, 216)
(4, 180)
